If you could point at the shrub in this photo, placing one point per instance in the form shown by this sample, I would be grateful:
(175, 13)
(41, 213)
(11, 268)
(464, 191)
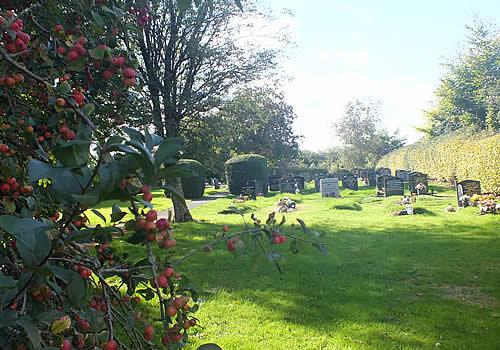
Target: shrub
(193, 185)
(466, 155)
(245, 167)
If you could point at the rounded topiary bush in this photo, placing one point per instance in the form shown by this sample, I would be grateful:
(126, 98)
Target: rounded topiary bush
(246, 167)
(193, 185)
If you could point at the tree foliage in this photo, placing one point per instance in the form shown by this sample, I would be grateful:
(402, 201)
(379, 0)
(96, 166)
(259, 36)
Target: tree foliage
(63, 284)
(363, 140)
(469, 93)
(254, 120)
(191, 55)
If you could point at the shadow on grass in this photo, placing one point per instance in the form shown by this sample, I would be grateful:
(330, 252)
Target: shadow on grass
(381, 280)
(348, 206)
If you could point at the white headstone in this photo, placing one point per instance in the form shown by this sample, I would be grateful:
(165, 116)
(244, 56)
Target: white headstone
(329, 187)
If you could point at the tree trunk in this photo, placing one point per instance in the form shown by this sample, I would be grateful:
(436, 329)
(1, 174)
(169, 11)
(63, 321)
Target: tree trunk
(181, 210)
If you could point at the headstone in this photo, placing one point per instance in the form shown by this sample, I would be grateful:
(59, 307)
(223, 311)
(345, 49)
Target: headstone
(216, 184)
(467, 188)
(371, 178)
(250, 189)
(317, 184)
(393, 186)
(287, 186)
(403, 174)
(329, 187)
(274, 183)
(415, 179)
(349, 181)
(300, 181)
(383, 171)
(380, 184)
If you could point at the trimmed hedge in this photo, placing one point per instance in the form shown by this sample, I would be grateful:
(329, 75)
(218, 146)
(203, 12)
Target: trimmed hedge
(243, 168)
(466, 155)
(193, 185)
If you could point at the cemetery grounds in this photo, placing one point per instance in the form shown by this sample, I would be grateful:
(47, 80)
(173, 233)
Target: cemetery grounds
(428, 281)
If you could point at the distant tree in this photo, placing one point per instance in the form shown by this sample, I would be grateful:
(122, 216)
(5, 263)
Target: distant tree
(469, 93)
(363, 140)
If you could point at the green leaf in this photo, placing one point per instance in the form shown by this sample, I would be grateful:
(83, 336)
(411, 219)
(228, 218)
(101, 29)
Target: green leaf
(303, 225)
(73, 153)
(167, 149)
(148, 139)
(76, 289)
(117, 214)
(97, 53)
(31, 237)
(7, 282)
(133, 134)
(32, 332)
(98, 213)
(8, 318)
(87, 109)
(98, 19)
(63, 180)
(109, 11)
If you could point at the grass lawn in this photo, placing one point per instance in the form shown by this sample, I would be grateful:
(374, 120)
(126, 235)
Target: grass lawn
(429, 281)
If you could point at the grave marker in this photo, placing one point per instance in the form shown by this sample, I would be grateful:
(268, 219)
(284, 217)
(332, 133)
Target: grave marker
(274, 183)
(393, 186)
(467, 188)
(383, 171)
(329, 187)
(403, 174)
(349, 181)
(300, 181)
(380, 184)
(287, 186)
(415, 178)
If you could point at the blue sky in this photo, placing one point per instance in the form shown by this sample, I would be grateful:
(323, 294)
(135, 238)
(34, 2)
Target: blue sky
(390, 50)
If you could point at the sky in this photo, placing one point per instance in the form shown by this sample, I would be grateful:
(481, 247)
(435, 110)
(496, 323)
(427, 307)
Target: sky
(389, 50)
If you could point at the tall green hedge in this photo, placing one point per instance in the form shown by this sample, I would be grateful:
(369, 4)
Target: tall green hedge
(466, 155)
(245, 167)
(193, 185)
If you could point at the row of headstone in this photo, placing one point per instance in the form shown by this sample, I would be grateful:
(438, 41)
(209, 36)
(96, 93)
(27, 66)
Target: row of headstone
(286, 184)
(465, 190)
(329, 187)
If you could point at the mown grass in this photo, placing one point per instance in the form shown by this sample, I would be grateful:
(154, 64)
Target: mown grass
(426, 281)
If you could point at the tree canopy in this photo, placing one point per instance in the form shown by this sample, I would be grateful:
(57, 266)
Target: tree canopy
(469, 93)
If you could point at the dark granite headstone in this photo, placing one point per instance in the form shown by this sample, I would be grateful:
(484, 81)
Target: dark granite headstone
(300, 181)
(383, 171)
(467, 188)
(380, 184)
(403, 174)
(250, 189)
(371, 178)
(393, 186)
(287, 186)
(416, 178)
(274, 183)
(349, 181)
